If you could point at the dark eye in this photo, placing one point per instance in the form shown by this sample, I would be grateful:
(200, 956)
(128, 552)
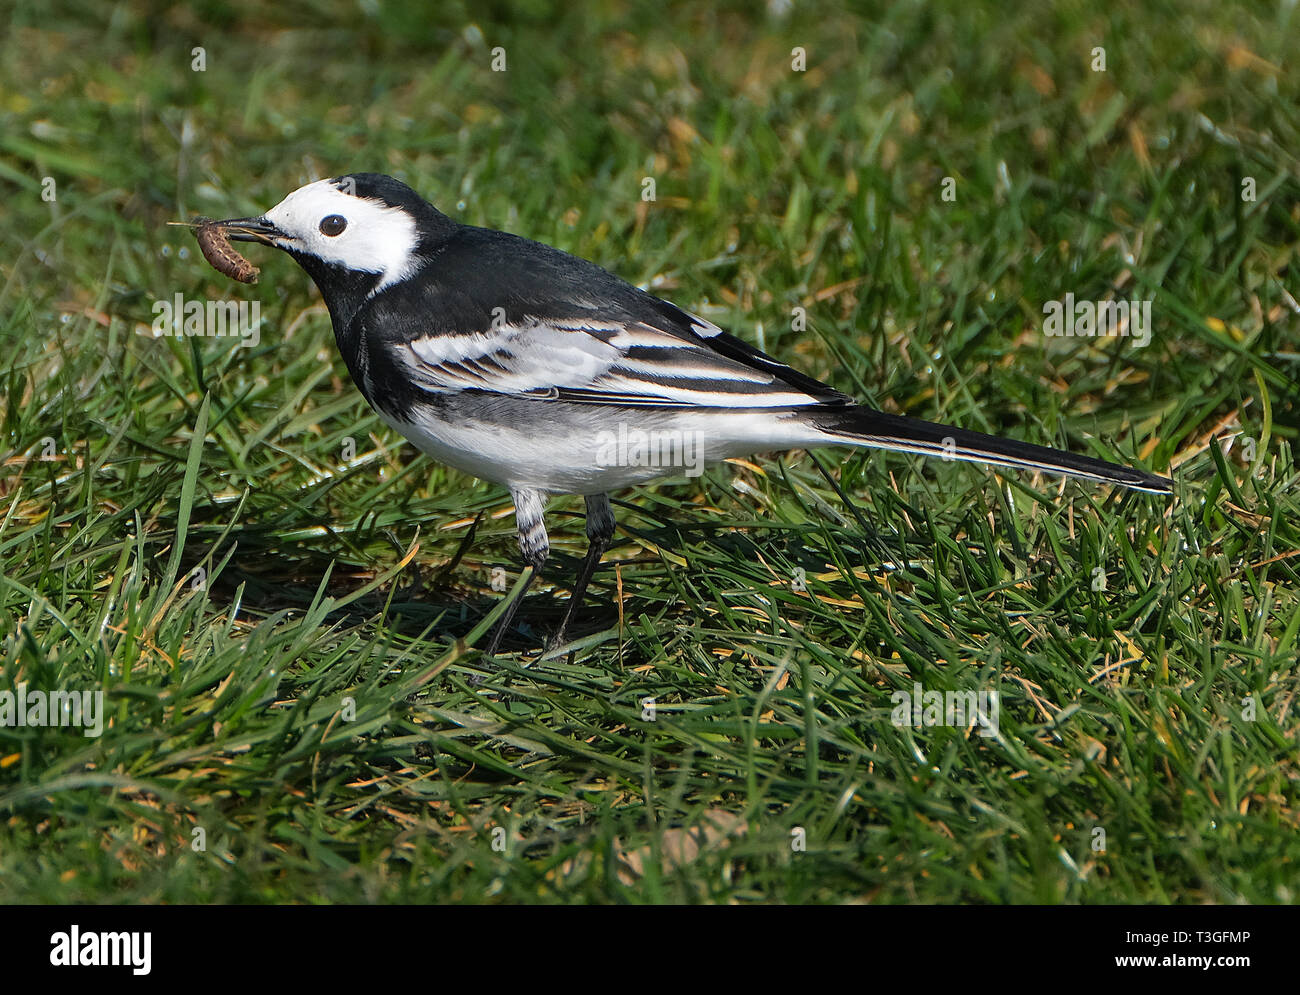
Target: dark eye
(333, 225)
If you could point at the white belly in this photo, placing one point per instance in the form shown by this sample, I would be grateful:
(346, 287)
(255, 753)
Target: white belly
(566, 448)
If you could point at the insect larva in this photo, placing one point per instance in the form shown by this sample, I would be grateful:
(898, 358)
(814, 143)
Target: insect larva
(221, 255)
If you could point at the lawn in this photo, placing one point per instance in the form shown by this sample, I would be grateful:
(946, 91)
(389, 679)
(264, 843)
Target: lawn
(280, 599)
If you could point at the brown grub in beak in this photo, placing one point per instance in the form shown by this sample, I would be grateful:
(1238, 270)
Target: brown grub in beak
(221, 255)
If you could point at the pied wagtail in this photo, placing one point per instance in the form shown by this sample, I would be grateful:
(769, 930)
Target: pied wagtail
(518, 363)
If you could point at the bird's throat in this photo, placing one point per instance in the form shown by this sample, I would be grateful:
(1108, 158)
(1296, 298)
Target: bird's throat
(343, 290)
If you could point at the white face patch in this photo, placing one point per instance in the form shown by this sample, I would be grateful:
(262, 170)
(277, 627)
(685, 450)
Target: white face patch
(375, 238)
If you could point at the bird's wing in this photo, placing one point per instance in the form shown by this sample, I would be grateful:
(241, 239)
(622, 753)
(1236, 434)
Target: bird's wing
(494, 312)
(601, 361)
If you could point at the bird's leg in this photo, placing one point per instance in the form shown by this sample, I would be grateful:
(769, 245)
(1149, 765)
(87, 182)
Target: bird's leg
(533, 544)
(600, 530)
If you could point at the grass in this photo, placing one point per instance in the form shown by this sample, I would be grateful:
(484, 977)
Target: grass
(296, 723)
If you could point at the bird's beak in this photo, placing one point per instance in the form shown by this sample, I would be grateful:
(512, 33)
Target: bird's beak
(251, 230)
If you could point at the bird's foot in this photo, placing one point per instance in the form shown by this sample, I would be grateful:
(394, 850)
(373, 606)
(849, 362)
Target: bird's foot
(556, 644)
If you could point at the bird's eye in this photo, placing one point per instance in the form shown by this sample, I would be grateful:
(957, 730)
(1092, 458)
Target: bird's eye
(333, 225)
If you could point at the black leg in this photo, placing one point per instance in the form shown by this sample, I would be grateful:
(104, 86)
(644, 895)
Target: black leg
(600, 530)
(533, 544)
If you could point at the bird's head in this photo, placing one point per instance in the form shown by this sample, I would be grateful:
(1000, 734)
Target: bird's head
(353, 234)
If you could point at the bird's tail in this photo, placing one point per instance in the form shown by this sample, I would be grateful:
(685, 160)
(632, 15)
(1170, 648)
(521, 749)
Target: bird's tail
(862, 426)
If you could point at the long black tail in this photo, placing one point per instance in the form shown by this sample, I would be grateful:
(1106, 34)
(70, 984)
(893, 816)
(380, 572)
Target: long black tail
(863, 426)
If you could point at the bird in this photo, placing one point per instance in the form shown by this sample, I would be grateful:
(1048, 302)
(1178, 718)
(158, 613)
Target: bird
(523, 365)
